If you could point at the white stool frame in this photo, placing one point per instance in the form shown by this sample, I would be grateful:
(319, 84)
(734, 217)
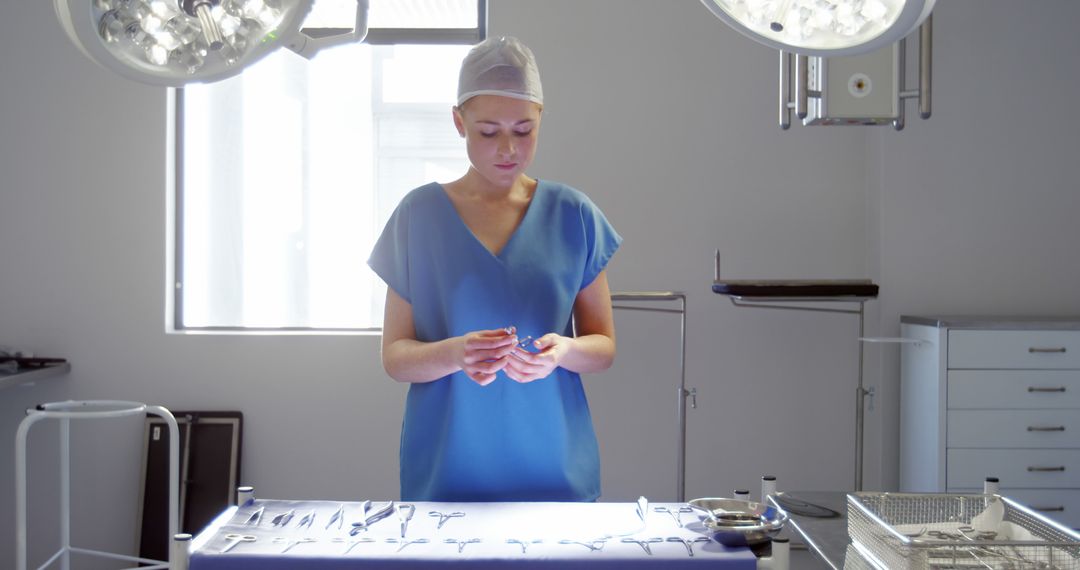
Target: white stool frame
(86, 409)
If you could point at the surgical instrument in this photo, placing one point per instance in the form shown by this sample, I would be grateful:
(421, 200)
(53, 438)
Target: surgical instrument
(405, 543)
(292, 542)
(283, 518)
(405, 514)
(643, 543)
(689, 544)
(642, 508)
(256, 517)
(443, 517)
(675, 514)
(368, 520)
(461, 543)
(338, 517)
(524, 543)
(307, 520)
(235, 539)
(592, 545)
(351, 541)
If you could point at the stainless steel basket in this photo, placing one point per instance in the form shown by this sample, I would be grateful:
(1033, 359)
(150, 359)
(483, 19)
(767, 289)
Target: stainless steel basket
(942, 531)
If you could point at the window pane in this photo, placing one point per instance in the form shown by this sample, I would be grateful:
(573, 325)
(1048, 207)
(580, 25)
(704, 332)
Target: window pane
(290, 171)
(396, 14)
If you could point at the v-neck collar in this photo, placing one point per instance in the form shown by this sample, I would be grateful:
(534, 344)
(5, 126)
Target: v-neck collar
(513, 235)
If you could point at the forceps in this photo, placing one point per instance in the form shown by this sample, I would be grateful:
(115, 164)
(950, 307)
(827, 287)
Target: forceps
(338, 517)
(461, 543)
(524, 543)
(443, 517)
(404, 515)
(235, 539)
(675, 514)
(283, 518)
(352, 542)
(307, 519)
(405, 543)
(293, 542)
(643, 543)
(256, 517)
(689, 544)
(593, 545)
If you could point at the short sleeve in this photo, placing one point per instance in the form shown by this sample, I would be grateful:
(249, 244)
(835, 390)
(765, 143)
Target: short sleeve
(390, 257)
(601, 240)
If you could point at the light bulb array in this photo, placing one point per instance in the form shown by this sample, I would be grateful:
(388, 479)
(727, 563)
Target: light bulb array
(803, 19)
(186, 35)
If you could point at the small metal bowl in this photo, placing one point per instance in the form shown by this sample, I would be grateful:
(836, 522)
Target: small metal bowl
(735, 522)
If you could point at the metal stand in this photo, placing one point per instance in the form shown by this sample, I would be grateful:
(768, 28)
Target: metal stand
(65, 412)
(683, 393)
(794, 303)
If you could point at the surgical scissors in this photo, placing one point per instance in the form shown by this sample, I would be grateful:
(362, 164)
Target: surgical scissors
(352, 542)
(443, 517)
(368, 520)
(524, 543)
(235, 539)
(292, 542)
(689, 544)
(592, 545)
(643, 543)
(675, 514)
(405, 543)
(461, 543)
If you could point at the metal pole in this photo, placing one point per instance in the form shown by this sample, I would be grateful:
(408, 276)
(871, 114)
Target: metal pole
(926, 50)
(680, 468)
(65, 492)
(860, 394)
(681, 493)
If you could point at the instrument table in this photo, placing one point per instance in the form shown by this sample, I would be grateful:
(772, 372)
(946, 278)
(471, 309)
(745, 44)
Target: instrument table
(541, 525)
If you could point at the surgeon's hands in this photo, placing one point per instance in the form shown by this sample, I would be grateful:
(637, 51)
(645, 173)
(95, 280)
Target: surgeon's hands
(524, 366)
(483, 353)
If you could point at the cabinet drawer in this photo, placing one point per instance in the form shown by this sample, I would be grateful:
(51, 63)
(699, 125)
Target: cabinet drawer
(1060, 505)
(1034, 468)
(1014, 349)
(1004, 389)
(1013, 428)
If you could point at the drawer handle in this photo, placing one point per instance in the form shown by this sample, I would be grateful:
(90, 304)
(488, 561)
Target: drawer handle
(1046, 428)
(1057, 509)
(1056, 350)
(1041, 389)
(1036, 469)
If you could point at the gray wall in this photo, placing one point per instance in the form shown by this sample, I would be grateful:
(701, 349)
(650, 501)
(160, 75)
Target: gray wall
(666, 118)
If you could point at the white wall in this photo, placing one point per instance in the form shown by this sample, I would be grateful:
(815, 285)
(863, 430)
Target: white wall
(667, 119)
(976, 208)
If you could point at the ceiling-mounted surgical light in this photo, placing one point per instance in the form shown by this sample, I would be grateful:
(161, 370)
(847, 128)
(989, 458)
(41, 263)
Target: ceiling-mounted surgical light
(173, 42)
(823, 28)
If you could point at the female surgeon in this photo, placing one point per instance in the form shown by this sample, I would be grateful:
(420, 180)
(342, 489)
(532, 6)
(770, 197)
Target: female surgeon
(476, 269)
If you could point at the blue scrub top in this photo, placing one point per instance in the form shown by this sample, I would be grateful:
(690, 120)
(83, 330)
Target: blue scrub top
(505, 441)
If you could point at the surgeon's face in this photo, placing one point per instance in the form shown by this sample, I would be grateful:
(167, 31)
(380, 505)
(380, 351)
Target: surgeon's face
(500, 135)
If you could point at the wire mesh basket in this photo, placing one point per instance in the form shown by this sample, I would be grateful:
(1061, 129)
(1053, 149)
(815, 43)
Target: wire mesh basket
(944, 531)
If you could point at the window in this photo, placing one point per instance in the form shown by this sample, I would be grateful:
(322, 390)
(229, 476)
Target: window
(287, 173)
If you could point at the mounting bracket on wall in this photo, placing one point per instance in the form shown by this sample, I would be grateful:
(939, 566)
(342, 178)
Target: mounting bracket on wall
(863, 89)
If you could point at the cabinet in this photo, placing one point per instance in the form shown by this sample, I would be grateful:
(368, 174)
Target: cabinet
(993, 397)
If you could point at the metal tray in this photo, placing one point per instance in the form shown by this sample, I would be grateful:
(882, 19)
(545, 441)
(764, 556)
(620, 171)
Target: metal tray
(898, 531)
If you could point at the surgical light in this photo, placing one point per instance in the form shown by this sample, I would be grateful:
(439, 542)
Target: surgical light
(823, 28)
(174, 42)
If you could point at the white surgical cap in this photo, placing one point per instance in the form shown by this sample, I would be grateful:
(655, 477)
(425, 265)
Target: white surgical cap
(500, 66)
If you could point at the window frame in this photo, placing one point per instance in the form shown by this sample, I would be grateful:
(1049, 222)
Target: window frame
(375, 36)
